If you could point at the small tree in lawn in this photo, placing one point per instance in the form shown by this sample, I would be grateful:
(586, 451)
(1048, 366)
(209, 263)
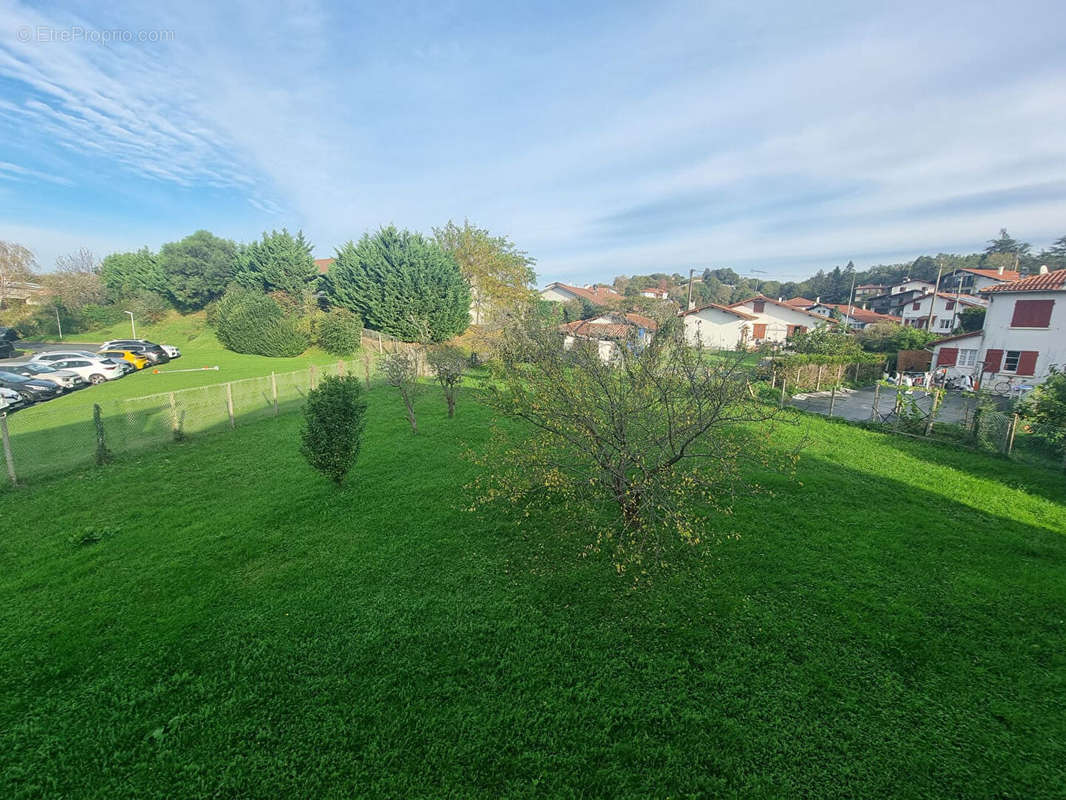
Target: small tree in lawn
(400, 370)
(659, 434)
(334, 419)
(448, 365)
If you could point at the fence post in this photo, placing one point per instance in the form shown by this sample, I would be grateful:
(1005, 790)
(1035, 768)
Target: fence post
(773, 378)
(229, 405)
(935, 395)
(784, 380)
(818, 380)
(274, 391)
(173, 416)
(103, 455)
(832, 401)
(877, 396)
(8, 458)
(1010, 439)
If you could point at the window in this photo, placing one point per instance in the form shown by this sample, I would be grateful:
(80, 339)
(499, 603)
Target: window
(758, 306)
(1032, 313)
(950, 305)
(759, 331)
(945, 322)
(967, 358)
(917, 306)
(1010, 363)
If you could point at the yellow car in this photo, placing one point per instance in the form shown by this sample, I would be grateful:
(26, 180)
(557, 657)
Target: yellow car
(138, 361)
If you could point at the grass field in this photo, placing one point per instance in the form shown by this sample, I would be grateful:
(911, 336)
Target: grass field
(891, 624)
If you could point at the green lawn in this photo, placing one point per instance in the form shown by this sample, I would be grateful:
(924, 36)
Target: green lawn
(892, 623)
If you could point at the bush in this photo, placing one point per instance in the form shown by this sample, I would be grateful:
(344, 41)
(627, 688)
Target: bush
(147, 307)
(1044, 411)
(334, 419)
(96, 316)
(339, 332)
(448, 364)
(250, 322)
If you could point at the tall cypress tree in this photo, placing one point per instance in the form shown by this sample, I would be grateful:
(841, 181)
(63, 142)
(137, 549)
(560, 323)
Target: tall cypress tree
(402, 284)
(280, 261)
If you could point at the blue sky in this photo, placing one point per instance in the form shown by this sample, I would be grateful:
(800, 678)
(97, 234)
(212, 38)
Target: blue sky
(604, 138)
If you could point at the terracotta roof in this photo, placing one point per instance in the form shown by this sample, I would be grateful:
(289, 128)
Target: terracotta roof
(801, 302)
(609, 330)
(643, 322)
(1008, 274)
(1046, 282)
(766, 299)
(861, 314)
(726, 309)
(956, 336)
(599, 295)
(323, 264)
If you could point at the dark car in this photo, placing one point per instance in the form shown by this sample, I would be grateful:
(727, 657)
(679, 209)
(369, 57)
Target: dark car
(31, 389)
(66, 381)
(7, 350)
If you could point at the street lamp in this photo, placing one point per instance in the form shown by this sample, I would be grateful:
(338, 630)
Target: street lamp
(133, 325)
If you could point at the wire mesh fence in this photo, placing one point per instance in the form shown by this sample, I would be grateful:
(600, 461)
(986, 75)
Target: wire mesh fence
(44, 440)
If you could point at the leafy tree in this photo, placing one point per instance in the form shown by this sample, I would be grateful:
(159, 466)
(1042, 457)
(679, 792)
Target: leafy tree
(972, 319)
(824, 340)
(339, 332)
(402, 284)
(1005, 243)
(197, 269)
(888, 337)
(501, 276)
(448, 365)
(247, 321)
(17, 265)
(334, 420)
(1045, 410)
(278, 262)
(657, 435)
(125, 273)
(1055, 256)
(401, 372)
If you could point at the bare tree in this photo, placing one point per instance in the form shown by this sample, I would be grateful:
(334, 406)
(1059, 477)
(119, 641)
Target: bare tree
(448, 364)
(16, 266)
(82, 261)
(401, 372)
(76, 281)
(660, 431)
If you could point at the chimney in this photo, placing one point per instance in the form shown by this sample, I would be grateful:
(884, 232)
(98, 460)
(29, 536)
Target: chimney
(818, 299)
(691, 304)
(1043, 269)
(1000, 270)
(781, 299)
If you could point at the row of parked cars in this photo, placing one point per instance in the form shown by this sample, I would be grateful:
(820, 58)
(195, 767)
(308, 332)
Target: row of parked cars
(53, 373)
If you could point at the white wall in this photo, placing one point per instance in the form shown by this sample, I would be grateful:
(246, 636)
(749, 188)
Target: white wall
(714, 329)
(778, 319)
(1049, 342)
(945, 320)
(556, 295)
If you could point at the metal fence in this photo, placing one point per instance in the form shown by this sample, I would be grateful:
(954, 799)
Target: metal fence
(47, 440)
(980, 421)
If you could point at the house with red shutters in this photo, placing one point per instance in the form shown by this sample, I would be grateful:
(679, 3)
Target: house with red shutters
(776, 320)
(1024, 333)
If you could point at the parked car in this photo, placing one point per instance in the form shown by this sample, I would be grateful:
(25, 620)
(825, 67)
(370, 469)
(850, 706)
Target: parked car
(68, 381)
(31, 389)
(10, 400)
(94, 370)
(135, 359)
(171, 351)
(150, 350)
(7, 349)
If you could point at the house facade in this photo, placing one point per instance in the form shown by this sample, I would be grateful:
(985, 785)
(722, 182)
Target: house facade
(563, 292)
(718, 327)
(775, 321)
(610, 333)
(972, 281)
(946, 310)
(1023, 336)
(892, 303)
(852, 315)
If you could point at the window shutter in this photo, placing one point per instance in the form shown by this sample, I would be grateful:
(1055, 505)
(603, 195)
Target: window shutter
(759, 330)
(758, 306)
(1032, 313)
(993, 360)
(947, 356)
(1027, 362)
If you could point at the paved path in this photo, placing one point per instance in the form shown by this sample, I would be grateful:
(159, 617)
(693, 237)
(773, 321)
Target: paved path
(857, 404)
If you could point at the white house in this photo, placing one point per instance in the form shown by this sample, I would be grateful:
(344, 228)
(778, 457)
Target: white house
(909, 285)
(610, 332)
(597, 295)
(655, 294)
(1023, 335)
(972, 281)
(718, 327)
(776, 321)
(852, 315)
(946, 309)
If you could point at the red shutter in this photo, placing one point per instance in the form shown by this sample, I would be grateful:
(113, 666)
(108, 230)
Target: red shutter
(759, 330)
(947, 356)
(1027, 362)
(758, 306)
(1032, 313)
(993, 360)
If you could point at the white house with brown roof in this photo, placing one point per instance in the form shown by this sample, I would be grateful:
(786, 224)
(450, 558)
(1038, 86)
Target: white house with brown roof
(853, 316)
(1024, 333)
(718, 327)
(972, 281)
(610, 332)
(946, 309)
(597, 295)
(775, 320)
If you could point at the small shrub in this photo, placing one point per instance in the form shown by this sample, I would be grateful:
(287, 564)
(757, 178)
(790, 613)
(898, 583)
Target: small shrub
(339, 332)
(447, 364)
(401, 372)
(334, 419)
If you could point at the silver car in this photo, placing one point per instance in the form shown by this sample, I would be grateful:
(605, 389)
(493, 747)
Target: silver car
(62, 378)
(94, 370)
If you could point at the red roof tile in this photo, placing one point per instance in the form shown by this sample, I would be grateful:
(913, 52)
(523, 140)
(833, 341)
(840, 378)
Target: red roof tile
(323, 264)
(766, 299)
(1047, 282)
(1008, 274)
(800, 302)
(599, 295)
(861, 314)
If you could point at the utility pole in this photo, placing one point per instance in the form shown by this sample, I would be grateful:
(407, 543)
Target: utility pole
(936, 289)
(59, 324)
(133, 325)
(851, 299)
(688, 303)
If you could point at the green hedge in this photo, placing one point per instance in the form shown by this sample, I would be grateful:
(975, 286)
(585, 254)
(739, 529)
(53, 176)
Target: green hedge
(247, 321)
(339, 332)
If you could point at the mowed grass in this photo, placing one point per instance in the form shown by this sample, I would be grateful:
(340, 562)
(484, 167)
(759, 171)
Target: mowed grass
(891, 623)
